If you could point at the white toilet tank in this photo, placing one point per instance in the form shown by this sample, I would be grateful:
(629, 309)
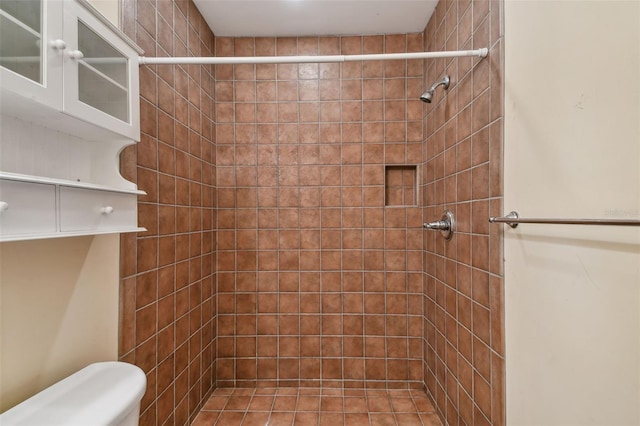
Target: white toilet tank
(104, 393)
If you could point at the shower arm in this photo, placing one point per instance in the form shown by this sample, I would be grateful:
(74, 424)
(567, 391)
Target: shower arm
(227, 60)
(444, 82)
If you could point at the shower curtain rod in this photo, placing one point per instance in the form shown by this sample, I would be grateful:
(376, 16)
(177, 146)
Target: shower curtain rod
(228, 60)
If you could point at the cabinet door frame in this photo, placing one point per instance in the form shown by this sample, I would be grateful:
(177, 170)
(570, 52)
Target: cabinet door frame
(73, 13)
(50, 91)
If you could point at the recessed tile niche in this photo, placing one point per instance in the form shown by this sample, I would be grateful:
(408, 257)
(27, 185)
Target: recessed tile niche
(400, 186)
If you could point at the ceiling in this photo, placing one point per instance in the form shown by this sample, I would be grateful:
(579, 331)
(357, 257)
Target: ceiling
(270, 18)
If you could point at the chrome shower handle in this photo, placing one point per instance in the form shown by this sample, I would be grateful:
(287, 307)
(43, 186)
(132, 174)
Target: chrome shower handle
(438, 225)
(446, 225)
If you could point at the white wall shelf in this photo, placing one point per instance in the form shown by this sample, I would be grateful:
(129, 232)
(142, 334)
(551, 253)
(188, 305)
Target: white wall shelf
(63, 182)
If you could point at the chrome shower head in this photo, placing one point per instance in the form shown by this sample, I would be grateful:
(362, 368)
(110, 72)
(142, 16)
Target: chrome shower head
(428, 95)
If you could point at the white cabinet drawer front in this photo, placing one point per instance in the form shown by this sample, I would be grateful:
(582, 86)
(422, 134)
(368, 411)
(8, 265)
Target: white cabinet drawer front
(87, 209)
(27, 208)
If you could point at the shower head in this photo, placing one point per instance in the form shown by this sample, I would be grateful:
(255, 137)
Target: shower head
(428, 95)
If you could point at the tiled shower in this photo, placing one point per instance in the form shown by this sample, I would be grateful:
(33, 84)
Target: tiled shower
(284, 211)
(319, 284)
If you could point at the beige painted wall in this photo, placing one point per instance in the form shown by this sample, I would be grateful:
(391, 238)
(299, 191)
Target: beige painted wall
(572, 149)
(109, 8)
(58, 311)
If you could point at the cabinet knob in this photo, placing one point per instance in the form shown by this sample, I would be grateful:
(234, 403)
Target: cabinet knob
(58, 44)
(76, 54)
(106, 210)
(4, 206)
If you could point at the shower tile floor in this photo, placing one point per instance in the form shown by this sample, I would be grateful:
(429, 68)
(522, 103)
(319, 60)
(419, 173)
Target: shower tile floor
(317, 407)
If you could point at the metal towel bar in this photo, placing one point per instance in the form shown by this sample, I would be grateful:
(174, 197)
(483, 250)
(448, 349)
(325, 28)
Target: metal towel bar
(513, 219)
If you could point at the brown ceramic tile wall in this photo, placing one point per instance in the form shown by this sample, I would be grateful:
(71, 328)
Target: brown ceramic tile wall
(318, 282)
(167, 289)
(462, 171)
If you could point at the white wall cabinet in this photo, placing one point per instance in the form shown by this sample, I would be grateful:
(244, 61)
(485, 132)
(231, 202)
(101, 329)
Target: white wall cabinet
(69, 61)
(69, 98)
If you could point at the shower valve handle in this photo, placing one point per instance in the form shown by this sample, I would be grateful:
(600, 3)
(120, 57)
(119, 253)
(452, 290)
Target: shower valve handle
(438, 225)
(446, 225)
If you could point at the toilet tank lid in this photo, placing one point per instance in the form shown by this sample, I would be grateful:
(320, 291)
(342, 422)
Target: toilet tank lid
(100, 394)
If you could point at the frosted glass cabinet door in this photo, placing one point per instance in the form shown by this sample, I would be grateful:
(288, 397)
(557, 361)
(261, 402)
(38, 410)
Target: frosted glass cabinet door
(32, 50)
(101, 74)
